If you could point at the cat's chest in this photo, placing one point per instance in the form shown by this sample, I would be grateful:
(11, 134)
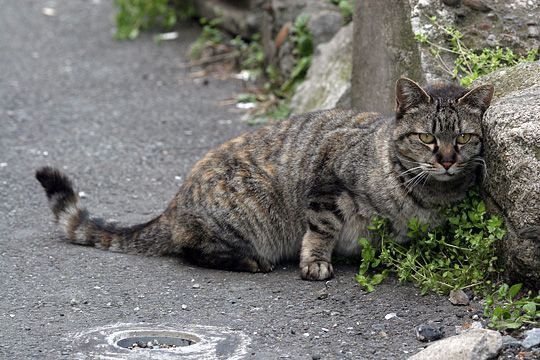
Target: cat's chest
(356, 224)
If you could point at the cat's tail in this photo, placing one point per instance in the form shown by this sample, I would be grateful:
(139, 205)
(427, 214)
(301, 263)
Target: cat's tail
(150, 238)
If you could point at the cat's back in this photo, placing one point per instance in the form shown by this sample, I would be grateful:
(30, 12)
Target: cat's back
(273, 153)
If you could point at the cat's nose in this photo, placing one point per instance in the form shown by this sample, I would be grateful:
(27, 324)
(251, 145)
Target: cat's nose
(447, 164)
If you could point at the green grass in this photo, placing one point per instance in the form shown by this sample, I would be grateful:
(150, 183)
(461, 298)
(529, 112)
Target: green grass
(135, 15)
(470, 64)
(346, 8)
(459, 255)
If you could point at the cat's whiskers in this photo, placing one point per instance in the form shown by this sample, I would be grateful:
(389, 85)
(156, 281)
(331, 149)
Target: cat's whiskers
(414, 181)
(482, 162)
(410, 170)
(400, 184)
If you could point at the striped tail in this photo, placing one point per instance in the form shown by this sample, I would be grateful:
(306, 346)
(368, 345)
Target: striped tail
(151, 238)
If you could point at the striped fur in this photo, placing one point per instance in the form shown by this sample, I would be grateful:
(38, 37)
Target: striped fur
(306, 187)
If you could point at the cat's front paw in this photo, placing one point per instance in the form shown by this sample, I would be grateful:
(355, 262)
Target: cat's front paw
(317, 270)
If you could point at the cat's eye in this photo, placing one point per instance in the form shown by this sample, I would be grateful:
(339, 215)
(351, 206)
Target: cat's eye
(426, 138)
(463, 138)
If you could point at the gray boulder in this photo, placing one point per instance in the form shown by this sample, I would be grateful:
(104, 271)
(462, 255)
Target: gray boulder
(478, 344)
(328, 80)
(324, 22)
(512, 153)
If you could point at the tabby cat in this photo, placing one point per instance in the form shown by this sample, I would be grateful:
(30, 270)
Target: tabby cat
(305, 187)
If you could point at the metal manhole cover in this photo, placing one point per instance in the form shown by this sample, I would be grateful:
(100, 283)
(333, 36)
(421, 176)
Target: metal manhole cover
(147, 341)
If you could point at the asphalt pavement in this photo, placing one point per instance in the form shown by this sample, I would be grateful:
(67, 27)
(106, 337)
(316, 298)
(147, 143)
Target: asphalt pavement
(126, 121)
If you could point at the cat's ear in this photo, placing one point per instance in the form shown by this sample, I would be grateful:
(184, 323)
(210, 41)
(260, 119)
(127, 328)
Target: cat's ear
(478, 98)
(409, 95)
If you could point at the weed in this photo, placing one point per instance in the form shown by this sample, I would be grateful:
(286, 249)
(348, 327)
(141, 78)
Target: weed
(272, 102)
(302, 52)
(468, 64)
(346, 8)
(251, 55)
(506, 309)
(210, 36)
(136, 15)
(457, 255)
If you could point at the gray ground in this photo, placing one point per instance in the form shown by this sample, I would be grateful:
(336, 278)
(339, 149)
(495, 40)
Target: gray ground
(125, 121)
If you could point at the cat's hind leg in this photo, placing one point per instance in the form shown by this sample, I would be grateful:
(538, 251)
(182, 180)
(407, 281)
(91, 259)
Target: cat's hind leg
(204, 243)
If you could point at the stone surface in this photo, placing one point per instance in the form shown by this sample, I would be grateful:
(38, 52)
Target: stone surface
(329, 78)
(532, 338)
(512, 153)
(468, 326)
(238, 17)
(458, 297)
(507, 80)
(506, 25)
(509, 341)
(384, 50)
(428, 333)
(324, 22)
(476, 344)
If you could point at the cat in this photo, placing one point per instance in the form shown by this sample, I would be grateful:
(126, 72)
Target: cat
(306, 187)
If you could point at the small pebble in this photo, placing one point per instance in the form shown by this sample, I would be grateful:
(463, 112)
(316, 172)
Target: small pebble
(3, 164)
(533, 30)
(509, 341)
(196, 286)
(323, 294)
(390, 316)
(468, 326)
(532, 338)
(137, 309)
(451, 2)
(458, 297)
(428, 333)
(491, 40)
(47, 11)
(184, 306)
(478, 5)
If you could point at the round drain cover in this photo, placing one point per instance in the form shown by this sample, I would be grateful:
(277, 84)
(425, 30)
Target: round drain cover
(147, 341)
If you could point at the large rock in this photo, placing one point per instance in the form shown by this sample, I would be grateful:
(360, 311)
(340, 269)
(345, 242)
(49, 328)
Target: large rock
(476, 344)
(512, 153)
(328, 81)
(483, 23)
(324, 22)
(238, 17)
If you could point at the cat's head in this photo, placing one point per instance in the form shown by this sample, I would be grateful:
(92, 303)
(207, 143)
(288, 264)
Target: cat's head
(438, 128)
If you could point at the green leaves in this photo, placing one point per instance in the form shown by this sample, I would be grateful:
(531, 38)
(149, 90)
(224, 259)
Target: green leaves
(136, 15)
(459, 255)
(469, 64)
(506, 309)
(302, 52)
(346, 9)
(210, 36)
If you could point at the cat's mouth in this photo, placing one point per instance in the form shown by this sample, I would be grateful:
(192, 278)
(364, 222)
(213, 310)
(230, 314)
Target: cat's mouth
(442, 174)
